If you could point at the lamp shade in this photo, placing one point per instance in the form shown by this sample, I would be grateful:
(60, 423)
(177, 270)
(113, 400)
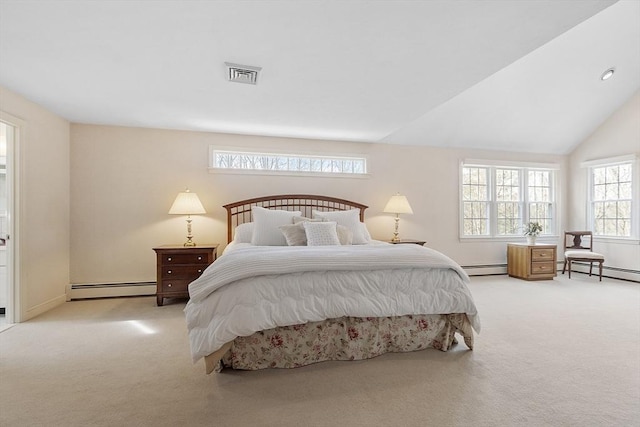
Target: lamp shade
(398, 204)
(187, 203)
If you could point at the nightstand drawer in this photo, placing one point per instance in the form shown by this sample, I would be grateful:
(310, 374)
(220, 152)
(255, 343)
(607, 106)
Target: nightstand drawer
(542, 267)
(183, 271)
(188, 258)
(542, 254)
(179, 285)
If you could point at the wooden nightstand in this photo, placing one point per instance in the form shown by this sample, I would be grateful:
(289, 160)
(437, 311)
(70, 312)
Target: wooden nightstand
(180, 265)
(531, 262)
(401, 241)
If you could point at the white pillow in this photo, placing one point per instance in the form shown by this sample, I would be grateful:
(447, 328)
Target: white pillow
(294, 234)
(243, 233)
(349, 219)
(266, 223)
(299, 219)
(321, 233)
(344, 235)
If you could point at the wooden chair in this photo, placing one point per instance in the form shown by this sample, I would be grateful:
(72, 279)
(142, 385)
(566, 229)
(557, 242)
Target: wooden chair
(577, 250)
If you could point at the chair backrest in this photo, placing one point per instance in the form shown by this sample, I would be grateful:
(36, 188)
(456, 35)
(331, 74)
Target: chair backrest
(576, 240)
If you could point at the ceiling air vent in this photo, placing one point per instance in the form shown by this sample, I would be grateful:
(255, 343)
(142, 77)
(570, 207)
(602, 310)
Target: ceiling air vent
(242, 73)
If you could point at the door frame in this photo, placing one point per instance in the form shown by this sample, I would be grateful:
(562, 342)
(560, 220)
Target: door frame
(14, 312)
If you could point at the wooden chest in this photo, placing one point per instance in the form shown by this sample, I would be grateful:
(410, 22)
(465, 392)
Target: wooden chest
(531, 262)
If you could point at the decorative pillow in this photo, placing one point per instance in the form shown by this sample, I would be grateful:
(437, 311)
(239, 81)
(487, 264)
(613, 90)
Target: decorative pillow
(243, 233)
(294, 234)
(321, 233)
(344, 235)
(349, 219)
(266, 223)
(299, 219)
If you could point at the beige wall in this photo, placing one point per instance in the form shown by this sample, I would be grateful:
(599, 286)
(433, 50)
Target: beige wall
(125, 179)
(618, 136)
(43, 150)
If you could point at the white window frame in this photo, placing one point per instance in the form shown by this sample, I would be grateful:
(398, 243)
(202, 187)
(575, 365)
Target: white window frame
(306, 156)
(633, 160)
(524, 167)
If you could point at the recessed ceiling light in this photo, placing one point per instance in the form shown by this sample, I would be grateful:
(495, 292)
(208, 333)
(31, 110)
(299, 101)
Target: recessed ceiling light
(608, 74)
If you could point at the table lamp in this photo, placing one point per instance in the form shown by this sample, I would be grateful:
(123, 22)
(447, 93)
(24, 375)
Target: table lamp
(187, 203)
(397, 204)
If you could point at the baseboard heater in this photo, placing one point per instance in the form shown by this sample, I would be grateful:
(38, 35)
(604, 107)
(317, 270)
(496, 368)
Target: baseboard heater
(610, 272)
(577, 267)
(106, 290)
(485, 270)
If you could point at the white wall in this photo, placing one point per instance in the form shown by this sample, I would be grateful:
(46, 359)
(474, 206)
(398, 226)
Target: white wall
(619, 135)
(44, 204)
(125, 179)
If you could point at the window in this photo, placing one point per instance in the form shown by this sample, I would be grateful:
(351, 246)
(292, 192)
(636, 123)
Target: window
(496, 201)
(611, 199)
(288, 163)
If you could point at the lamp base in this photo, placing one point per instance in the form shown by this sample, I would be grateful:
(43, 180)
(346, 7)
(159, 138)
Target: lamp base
(396, 237)
(189, 242)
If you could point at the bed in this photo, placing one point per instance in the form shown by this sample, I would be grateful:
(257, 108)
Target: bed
(302, 281)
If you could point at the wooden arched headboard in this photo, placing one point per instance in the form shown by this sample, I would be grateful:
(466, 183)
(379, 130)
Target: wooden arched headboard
(240, 212)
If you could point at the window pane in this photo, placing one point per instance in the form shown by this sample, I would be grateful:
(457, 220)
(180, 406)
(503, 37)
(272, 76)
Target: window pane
(611, 174)
(624, 228)
(625, 173)
(611, 191)
(625, 190)
(598, 176)
(599, 192)
(609, 227)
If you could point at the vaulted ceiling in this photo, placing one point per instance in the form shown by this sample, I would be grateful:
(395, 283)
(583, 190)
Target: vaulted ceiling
(521, 75)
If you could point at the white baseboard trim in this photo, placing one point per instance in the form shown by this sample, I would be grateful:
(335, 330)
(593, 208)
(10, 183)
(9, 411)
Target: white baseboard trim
(108, 290)
(485, 270)
(610, 272)
(577, 267)
(43, 307)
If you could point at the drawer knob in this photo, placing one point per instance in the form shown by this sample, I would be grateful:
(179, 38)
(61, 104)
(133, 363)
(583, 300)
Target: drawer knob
(199, 271)
(199, 258)
(169, 272)
(169, 285)
(169, 259)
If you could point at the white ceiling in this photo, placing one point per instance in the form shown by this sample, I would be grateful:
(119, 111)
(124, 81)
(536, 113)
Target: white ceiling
(506, 75)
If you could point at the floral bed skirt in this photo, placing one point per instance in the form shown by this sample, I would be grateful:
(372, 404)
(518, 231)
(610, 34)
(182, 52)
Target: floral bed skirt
(346, 338)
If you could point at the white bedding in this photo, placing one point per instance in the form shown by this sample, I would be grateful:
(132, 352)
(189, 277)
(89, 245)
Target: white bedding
(254, 288)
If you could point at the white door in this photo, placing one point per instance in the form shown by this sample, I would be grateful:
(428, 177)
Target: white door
(8, 291)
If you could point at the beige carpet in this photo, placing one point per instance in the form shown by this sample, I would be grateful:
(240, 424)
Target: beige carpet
(552, 353)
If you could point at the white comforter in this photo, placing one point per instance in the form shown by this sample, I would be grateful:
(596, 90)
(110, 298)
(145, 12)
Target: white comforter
(256, 288)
